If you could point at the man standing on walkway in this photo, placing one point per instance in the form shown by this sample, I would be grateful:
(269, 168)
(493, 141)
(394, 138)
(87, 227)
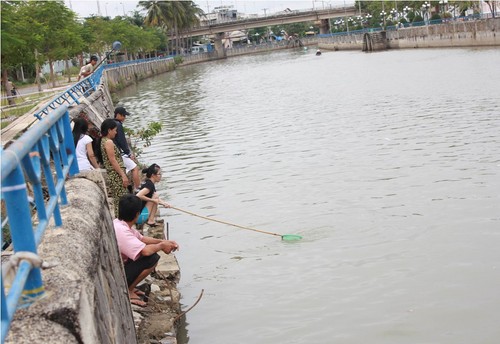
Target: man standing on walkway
(121, 142)
(86, 70)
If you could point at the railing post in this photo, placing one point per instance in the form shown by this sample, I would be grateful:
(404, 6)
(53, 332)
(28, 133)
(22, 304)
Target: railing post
(21, 227)
(5, 316)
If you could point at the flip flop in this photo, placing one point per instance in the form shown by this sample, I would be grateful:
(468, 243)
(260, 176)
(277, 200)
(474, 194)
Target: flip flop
(152, 224)
(138, 302)
(139, 292)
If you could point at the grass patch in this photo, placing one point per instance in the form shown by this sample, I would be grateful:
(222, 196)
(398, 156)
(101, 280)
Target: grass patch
(25, 105)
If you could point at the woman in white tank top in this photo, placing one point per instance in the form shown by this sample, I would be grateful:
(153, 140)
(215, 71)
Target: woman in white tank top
(83, 146)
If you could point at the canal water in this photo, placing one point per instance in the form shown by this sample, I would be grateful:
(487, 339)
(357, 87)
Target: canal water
(387, 164)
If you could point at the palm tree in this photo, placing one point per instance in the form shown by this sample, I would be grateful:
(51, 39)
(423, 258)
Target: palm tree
(155, 16)
(172, 15)
(192, 15)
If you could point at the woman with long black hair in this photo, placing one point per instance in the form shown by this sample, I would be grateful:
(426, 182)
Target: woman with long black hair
(113, 163)
(83, 146)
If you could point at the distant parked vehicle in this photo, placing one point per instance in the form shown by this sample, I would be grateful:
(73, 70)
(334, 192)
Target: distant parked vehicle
(201, 48)
(197, 49)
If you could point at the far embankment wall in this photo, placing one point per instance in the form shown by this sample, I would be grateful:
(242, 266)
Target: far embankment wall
(473, 33)
(123, 76)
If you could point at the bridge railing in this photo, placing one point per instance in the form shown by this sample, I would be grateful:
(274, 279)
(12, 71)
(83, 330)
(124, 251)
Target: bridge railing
(30, 163)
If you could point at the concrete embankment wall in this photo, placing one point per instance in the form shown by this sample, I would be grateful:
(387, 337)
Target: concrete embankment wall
(453, 34)
(121, 77)
(86, 299)
(343, 42)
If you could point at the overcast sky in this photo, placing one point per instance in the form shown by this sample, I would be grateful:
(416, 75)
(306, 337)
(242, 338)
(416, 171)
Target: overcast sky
(112, 8)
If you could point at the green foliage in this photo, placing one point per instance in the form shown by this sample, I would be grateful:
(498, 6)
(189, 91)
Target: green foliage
(53, 27)
(142, 137)
(417, 19)
(178, 60)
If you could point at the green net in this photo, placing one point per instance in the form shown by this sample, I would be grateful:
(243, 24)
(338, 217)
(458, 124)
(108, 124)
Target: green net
(291, 237)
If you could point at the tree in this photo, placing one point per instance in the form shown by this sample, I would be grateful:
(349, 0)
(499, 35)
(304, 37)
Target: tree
(54, 30)
(97, 34)
(172, 16)
(492, 6)
(12, 42)
(155, 16)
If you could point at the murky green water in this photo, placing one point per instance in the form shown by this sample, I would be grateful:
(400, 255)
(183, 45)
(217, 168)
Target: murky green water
(388, 164)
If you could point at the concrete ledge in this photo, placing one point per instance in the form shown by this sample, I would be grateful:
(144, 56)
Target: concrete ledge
(86, 299)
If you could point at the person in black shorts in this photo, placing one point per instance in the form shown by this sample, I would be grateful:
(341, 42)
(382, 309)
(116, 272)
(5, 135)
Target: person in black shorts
(149, 197)
(138, 252)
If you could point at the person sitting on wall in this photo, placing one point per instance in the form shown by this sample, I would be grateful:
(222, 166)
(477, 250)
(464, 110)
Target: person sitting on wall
(138, 252)
(83, 146)
(149, 197)
(86, 70)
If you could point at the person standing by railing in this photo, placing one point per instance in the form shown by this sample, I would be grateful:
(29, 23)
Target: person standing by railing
(121, 142)
(83, 146)
(86, 70)
(110, 157)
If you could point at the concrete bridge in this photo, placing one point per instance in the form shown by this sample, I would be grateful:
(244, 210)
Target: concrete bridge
(218, 30)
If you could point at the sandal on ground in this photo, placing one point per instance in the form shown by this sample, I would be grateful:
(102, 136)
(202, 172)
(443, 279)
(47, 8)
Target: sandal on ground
(138, 302)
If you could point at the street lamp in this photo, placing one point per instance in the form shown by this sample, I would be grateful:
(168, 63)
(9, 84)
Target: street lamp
(368, 17)
(383, 14)
(343, 23)
(425, 8)
(116, 46)
(350, 20)
(443, 4)
(394, 14)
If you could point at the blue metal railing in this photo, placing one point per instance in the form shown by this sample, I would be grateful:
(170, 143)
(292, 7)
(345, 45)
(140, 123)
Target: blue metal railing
(126, 63)
(28, 160)
(412, 24)
(72, 95)
(83, 88)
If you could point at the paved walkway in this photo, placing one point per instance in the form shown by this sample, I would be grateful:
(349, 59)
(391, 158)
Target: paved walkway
(22, 123)
(32, 89)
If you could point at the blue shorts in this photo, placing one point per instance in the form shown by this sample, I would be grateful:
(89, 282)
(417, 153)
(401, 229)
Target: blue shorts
(144, 216)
